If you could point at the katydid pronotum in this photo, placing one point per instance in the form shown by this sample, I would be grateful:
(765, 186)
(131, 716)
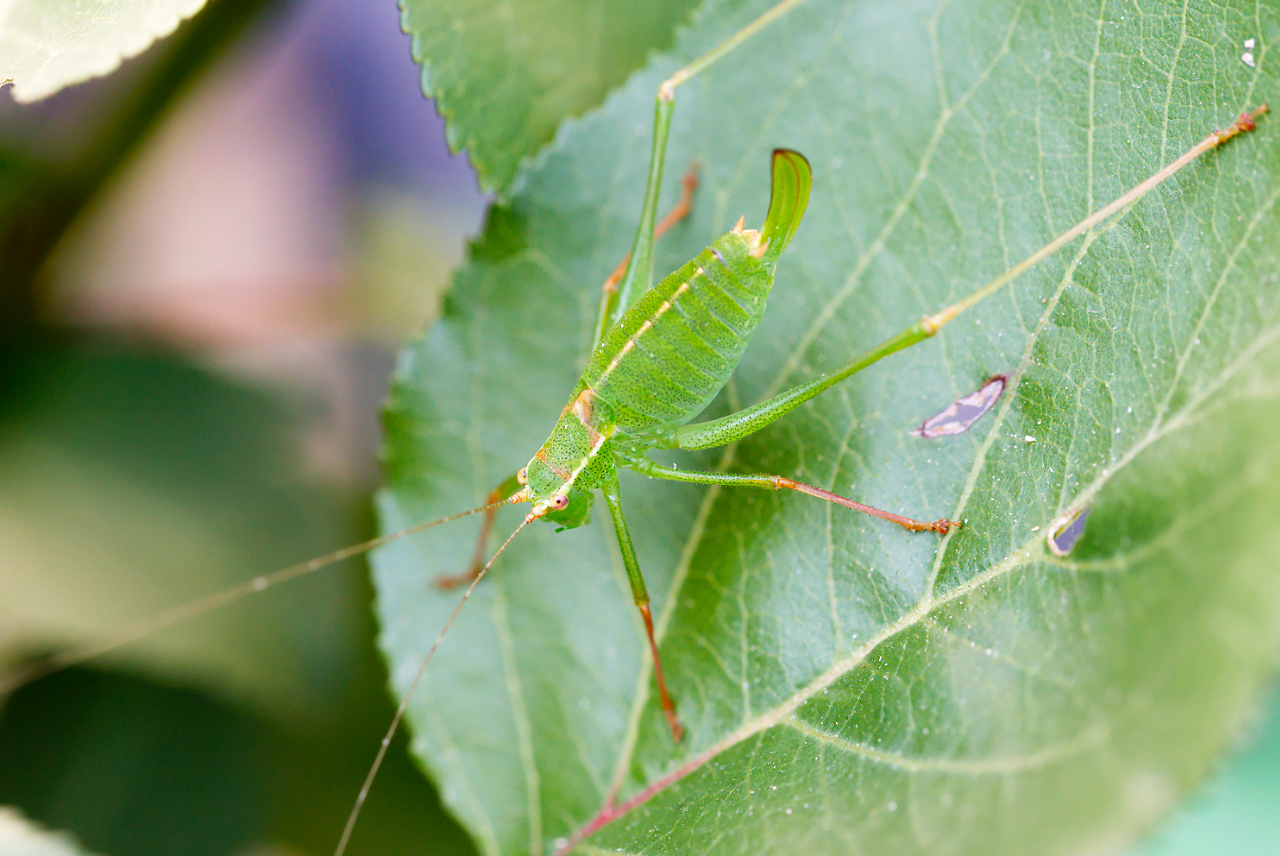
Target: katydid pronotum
(638, 271)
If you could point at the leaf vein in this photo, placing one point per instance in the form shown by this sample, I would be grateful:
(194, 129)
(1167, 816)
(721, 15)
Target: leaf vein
(973, 768)
(524, 728)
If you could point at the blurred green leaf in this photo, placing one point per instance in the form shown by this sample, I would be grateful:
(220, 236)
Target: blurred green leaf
(505, 75)
(170, 754)
(46, 46)
(130, 482)
(848, 686)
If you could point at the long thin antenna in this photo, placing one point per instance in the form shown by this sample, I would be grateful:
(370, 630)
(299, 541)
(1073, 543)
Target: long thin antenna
(404, 703)
(199, 606)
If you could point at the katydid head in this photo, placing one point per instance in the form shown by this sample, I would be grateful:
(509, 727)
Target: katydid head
(554, 500)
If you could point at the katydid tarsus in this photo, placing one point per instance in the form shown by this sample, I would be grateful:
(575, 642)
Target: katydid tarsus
(662, 353)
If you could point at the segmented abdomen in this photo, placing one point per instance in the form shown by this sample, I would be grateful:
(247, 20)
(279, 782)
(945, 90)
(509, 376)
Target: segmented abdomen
(673, 350)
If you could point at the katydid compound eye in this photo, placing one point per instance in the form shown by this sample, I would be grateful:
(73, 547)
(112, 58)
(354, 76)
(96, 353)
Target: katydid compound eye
(523, 475)
(559, 501)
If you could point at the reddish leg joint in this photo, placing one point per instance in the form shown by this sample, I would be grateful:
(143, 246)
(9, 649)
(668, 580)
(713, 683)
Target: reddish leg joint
(668, 706)
(1245, 123)
(942, 527)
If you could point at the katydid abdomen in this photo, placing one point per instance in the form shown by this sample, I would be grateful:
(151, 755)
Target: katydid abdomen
(676, 347)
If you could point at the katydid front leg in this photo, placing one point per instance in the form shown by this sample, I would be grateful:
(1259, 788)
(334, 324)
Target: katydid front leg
(509, 486)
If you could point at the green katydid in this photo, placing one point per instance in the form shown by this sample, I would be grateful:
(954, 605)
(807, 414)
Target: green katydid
(622, 315)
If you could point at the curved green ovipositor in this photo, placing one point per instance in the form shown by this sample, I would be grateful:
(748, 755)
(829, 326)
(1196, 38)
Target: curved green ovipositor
(792, 179)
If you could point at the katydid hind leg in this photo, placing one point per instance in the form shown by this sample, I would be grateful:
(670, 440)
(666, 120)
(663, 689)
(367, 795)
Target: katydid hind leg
(742, 423)
(639, 269)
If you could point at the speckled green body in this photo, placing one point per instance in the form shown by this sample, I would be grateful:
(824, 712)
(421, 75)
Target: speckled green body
(661, 364)
(674, 350)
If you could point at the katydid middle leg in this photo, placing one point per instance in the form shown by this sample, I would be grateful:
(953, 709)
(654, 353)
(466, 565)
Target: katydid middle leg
(742, 423)
(634, 275)
(613, 499)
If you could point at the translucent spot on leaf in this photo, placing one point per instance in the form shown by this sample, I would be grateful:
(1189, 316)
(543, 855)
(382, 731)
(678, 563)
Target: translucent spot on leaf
(958, 417)
(1065, 531)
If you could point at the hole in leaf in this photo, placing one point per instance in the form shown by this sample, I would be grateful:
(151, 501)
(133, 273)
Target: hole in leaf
(959, 416)
(1066, 530)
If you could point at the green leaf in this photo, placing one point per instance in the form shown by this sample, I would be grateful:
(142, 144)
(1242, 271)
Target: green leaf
(847, 686)
(505, 75)
(46, 46)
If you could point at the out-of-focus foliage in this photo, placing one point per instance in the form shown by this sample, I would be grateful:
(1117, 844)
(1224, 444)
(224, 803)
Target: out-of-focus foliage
(132, 477)
(1235, 811)
(45, 46)
(20, 837)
